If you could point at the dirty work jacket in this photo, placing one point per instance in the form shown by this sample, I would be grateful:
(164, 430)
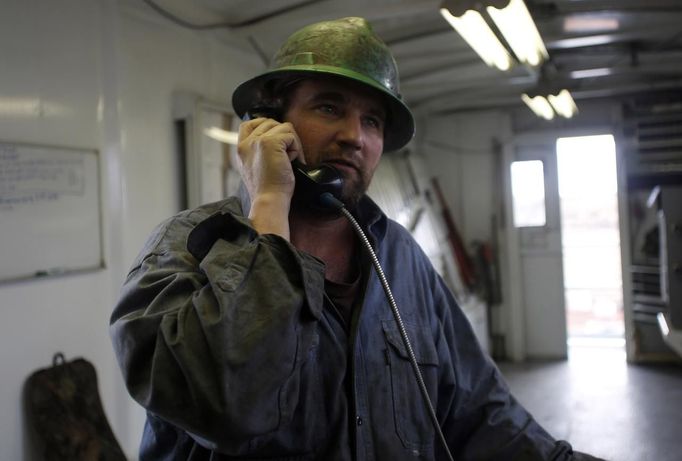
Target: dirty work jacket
(227, 339)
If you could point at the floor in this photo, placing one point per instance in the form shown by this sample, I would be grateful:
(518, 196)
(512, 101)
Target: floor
(604, 406)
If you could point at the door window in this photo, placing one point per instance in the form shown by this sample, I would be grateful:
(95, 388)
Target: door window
(528, 193)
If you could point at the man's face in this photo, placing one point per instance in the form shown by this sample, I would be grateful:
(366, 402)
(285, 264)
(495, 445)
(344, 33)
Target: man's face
(339, 123)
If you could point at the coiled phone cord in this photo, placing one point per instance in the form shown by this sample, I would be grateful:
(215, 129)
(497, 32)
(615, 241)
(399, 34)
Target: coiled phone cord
(331, 201)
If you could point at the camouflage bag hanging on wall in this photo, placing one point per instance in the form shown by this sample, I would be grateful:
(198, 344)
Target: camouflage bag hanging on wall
(65, 409)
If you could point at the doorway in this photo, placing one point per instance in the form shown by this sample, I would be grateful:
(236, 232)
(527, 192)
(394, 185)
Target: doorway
(590, 241)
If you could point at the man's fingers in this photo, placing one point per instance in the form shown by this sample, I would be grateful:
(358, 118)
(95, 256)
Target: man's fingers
(271, 133)
(293, 143)
(256, 127)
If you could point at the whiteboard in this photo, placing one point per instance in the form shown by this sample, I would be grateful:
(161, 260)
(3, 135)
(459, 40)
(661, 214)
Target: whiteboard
(50, 220)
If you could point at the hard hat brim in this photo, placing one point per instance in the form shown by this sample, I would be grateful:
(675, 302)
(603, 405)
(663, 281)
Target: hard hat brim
(400, 127)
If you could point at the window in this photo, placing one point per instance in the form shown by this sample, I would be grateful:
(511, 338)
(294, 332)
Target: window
(528, 193)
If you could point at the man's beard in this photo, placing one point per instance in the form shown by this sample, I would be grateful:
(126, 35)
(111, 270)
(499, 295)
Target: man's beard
(354, 189)
(354, 186)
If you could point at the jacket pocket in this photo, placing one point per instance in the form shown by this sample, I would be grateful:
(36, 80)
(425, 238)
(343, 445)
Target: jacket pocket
(411, 416)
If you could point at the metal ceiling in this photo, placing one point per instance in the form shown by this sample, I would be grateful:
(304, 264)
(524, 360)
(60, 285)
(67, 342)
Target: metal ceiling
(597, 48)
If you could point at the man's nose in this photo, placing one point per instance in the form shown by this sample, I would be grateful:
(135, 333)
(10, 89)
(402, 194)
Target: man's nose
(351, 131)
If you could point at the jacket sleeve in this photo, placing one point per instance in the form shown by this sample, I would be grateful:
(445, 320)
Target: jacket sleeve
(212, 326)
(481, 418)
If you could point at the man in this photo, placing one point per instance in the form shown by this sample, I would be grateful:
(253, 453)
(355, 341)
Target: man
(254, 328)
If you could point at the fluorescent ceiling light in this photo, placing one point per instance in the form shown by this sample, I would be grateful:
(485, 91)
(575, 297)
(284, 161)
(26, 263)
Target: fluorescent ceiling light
(577, 42)
(539, 105)
(590, 23)
(590, 73)
(563, 104)
(474, 30)
(518, 28)
(228, 137)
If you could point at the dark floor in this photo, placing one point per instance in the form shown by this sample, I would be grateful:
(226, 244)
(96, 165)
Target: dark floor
(604, 406)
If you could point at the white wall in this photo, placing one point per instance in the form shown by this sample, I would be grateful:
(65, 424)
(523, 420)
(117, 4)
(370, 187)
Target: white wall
(95, 74)
(460, 152)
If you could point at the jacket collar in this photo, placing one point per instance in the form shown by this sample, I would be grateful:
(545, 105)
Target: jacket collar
(368, 213)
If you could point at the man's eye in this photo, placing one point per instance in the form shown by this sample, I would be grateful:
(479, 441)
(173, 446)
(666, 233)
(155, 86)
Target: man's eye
(374, 122)
(327, 109)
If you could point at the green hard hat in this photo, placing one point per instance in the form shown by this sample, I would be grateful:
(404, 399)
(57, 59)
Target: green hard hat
(346, 48)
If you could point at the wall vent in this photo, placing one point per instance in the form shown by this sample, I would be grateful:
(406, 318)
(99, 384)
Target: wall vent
(659, 135)
(653, 136)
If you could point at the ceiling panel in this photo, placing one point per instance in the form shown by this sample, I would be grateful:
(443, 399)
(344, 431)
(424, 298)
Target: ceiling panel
(598, 48)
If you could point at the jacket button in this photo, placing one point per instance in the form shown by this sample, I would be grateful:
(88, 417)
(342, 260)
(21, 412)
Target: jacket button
(358, 420)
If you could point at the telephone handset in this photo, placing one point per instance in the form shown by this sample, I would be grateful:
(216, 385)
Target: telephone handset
(311, 182)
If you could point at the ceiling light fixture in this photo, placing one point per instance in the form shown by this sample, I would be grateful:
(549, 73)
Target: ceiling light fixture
(591, 73)
(539, 105)
(546, 107)
(586, 23)
(563, 104)
(512, 20)
(518, 28)
(474, 30)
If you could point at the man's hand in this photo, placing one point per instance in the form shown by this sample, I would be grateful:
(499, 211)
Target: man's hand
(266, 148)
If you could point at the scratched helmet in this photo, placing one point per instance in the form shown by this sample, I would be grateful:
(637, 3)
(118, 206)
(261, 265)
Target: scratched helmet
(345, 48)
